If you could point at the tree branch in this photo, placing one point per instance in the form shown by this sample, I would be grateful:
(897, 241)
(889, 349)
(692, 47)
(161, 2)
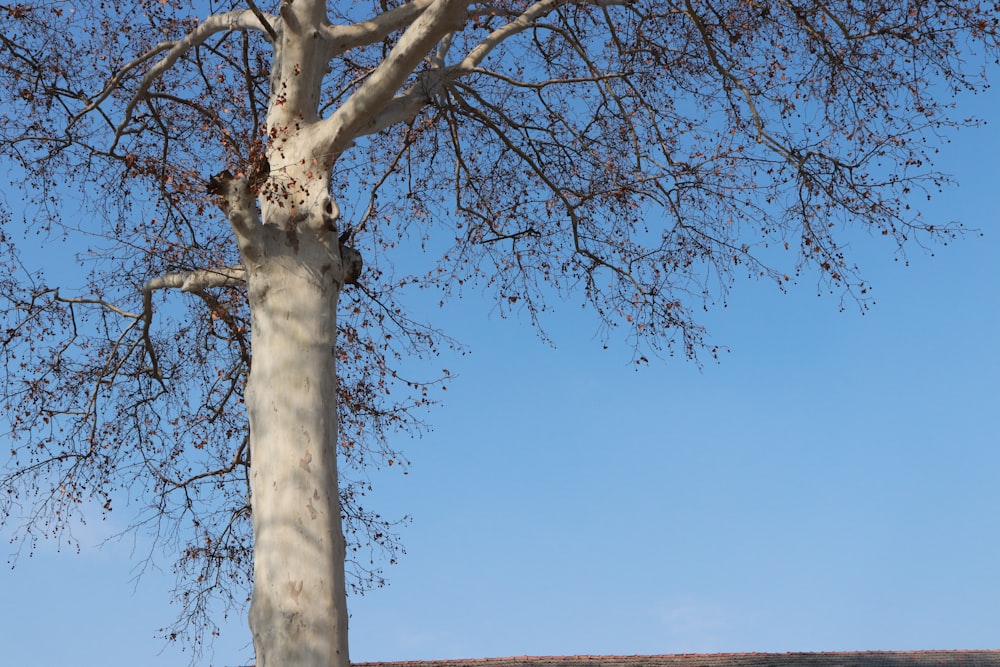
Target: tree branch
(197, 280)
(342, 38)
(337, 132)
(520, 24)
(403, 108)
(187, 281)
(237, 201)
(225, 22)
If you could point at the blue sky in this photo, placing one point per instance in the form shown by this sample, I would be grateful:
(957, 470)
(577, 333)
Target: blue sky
(831, 484)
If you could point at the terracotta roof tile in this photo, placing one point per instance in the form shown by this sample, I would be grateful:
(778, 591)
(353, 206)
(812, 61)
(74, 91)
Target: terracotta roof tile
(990, 658)
(845, 659)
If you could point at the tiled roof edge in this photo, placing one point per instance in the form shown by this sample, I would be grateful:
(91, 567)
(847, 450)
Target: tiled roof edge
(589, 658)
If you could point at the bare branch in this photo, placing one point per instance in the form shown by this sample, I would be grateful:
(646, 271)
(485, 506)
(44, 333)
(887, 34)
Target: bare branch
(187, 281)
(226, 22)
(264, 20)
(523, 22)
(93, 302)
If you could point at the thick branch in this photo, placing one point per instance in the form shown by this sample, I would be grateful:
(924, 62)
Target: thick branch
(403, 108)
(347, 123)
(342, 38)
(197, 280)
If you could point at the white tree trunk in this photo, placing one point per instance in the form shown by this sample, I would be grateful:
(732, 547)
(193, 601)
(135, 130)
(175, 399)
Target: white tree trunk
(295, 268)
(298, 613)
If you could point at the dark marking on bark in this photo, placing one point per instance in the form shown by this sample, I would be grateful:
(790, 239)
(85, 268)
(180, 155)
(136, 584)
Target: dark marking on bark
(346, 236)
(217, 184)
(220, 186)
(295, 588)
(353, 263)
(331, 213)
(259, 170)
(292, 234)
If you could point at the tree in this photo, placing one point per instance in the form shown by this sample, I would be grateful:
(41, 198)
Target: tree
(638, 154)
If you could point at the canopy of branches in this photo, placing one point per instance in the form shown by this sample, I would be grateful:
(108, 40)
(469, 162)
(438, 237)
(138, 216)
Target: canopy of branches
(635, 155)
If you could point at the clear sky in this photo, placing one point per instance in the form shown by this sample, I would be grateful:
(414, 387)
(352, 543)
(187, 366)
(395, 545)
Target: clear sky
(831, 484)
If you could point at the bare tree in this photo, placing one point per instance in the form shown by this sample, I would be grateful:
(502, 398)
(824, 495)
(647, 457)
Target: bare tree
(639, 154)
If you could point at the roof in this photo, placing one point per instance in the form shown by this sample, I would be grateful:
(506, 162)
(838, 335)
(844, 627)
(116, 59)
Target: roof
(846, 659)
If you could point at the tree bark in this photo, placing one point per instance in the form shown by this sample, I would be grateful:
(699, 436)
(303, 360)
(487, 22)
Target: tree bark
(298, 612)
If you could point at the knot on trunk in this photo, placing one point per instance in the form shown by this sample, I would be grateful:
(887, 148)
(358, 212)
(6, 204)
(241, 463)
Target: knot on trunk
(235, 196)
(349, 257)
(227, 187)
(352, 262)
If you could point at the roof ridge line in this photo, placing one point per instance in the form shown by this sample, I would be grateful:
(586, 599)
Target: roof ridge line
(653, 656)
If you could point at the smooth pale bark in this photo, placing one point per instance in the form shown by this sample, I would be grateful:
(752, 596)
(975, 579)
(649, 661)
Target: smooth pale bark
(295, 269)
(298, 610)
(298, 613)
